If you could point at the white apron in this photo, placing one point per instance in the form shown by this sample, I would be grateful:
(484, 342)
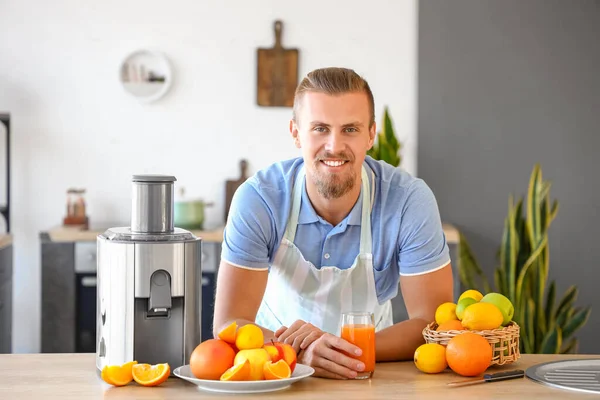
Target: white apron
(296, 289)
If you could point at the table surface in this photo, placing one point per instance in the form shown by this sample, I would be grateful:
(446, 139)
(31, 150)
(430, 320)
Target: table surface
(74, 376)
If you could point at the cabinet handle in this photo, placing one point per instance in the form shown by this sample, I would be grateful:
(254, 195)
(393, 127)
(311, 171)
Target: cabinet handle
(89, 281)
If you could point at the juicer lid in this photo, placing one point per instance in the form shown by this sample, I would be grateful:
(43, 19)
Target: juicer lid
(150, 178)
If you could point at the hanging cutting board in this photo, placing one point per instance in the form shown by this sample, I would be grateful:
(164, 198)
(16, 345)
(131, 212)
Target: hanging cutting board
(277, 73)
(232, 185)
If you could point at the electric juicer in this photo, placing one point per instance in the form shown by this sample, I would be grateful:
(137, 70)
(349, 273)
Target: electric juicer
(149, 283)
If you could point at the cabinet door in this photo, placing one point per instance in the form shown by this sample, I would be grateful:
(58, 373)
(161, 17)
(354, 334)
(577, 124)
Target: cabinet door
(6, 316)
(6, 300)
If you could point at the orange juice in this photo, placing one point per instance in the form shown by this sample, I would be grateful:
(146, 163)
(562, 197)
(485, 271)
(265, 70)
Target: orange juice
(363, 336)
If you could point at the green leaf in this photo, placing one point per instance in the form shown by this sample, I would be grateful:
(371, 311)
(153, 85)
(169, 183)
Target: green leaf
(570, 347)
(576, 322)
(549, 309)
(552, 342)
(533, 211)
(563, 318)
(530, 261)
(567, 301)
(529, 331)
(553, 212)
(508, 255)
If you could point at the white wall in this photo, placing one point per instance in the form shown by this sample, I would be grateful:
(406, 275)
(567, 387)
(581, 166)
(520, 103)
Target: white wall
(74, 126)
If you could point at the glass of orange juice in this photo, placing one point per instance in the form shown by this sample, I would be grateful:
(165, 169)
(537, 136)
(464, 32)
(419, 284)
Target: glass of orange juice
(358, 328)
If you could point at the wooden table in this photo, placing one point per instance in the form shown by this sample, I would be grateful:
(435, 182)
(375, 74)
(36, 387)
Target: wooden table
(73, 376)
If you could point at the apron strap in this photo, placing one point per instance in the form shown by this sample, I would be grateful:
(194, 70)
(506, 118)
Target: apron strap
(292, 224)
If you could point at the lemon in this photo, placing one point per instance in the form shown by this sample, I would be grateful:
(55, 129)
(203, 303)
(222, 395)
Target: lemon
(481, 316)
(431, 358)
(445, 312)
(472, 293)
(462, 306)
(249, 337)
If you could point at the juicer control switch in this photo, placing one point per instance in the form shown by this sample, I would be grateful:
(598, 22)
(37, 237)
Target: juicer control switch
(159, 303)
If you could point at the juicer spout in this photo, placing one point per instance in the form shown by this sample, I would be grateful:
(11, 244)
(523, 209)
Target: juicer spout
(159, 302)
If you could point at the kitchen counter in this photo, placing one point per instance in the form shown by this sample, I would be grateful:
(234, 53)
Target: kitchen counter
(5, 240)
(73, 376)
(78, 233)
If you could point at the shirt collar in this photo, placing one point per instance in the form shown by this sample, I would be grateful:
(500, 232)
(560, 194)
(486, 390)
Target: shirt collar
(308, 215)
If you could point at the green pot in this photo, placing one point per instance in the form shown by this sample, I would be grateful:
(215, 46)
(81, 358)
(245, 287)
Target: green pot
(190, 214)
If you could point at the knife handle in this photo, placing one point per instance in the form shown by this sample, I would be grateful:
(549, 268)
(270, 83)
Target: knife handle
(500, 376)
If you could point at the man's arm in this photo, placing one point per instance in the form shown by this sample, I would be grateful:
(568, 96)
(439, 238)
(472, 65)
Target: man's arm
(239, 293)
(422, 295)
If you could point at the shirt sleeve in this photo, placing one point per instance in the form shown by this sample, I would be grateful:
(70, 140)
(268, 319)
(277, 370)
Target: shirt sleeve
(248, 234)
(423, 246)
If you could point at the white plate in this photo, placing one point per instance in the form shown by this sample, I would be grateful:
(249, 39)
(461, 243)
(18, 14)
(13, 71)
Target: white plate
(300, 372)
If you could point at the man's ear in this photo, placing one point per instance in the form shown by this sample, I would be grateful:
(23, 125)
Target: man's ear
(294, 133)
(372, 134)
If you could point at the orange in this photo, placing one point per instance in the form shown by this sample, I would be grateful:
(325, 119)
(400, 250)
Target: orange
(452, 325)
(151, 375)
(118, 375)
(240, 372)
(228, 334)
(211, 358)
(277, 370)
(468, 354)
(431, 358)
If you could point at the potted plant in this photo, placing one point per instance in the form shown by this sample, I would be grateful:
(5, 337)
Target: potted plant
(386, 146)
(523, 274)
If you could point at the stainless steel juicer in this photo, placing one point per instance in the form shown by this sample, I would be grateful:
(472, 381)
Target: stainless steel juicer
(149, 283)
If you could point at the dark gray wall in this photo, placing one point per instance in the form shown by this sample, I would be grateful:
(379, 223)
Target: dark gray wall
(502, 85)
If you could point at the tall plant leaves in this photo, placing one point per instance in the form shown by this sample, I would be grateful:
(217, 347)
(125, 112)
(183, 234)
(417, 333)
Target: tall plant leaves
(552, 342)
(523, 271)
(549, 309)
(577, 321)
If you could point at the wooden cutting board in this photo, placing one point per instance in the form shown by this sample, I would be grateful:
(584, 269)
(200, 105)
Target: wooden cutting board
(232, 185)
(277, 73)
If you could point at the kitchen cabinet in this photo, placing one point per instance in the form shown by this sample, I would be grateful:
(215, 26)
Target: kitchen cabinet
(6, 262)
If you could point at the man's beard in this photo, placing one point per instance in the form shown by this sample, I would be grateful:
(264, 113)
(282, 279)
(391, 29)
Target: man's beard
(333, 186)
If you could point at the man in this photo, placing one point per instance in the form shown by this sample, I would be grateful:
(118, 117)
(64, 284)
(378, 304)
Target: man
(333, 231)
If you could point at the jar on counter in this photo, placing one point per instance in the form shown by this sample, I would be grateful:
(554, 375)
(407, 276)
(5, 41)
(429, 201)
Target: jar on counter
(76, 214)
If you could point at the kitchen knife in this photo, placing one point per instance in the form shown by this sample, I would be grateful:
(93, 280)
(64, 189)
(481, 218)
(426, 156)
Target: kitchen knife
(499, 376)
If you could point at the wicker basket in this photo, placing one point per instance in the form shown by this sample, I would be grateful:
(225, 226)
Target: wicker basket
(504, 340)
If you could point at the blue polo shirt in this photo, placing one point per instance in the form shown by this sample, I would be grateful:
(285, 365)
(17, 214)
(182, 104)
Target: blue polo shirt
(406, 227)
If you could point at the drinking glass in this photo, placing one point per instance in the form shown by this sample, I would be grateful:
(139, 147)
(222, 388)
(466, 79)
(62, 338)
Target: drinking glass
(358, 328)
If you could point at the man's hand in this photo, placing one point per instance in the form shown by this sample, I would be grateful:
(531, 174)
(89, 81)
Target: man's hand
(327, 356)
(299, 335)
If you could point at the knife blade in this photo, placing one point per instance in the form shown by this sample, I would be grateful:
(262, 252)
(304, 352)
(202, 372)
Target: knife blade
(499, 376)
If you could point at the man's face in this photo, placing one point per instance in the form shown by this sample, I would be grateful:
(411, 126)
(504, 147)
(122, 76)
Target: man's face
(334, 135)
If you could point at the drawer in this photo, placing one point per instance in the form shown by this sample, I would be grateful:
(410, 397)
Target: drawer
(85, 257)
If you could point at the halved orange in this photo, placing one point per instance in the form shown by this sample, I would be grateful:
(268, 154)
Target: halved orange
(229, 334)
(151, 375)
(118, 375)
(240, 372)
(277, 370)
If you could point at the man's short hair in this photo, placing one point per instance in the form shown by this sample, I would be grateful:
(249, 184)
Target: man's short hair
(333, 80)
